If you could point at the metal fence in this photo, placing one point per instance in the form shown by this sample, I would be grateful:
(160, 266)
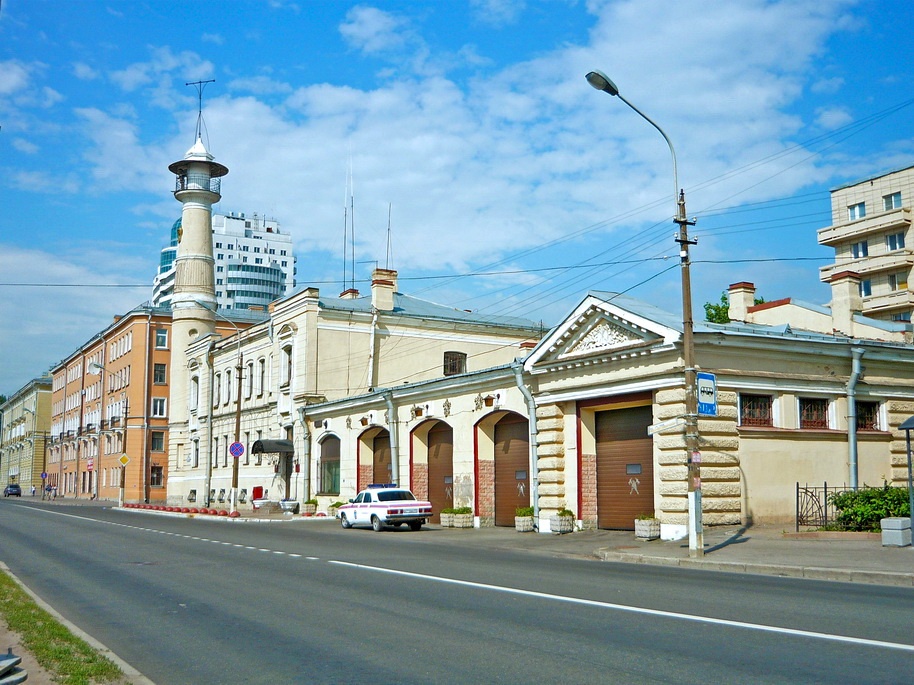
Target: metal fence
(814, 507)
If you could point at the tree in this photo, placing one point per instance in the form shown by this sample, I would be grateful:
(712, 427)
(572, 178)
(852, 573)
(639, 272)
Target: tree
(720, 313)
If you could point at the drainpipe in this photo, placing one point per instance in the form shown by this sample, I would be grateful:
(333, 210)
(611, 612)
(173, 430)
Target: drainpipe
(531, 413)
(208, 478)
(306, 451)
(372, 376)
(856, 374)
(394, 442)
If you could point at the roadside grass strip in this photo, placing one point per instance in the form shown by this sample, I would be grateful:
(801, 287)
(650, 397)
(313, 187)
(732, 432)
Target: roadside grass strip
(70, 659)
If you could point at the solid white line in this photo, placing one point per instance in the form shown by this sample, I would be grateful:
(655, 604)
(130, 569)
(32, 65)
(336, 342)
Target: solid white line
(638, 610)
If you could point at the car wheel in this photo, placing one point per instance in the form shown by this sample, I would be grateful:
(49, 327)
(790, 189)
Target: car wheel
(376, 524)
(415, 525)
(344, 522)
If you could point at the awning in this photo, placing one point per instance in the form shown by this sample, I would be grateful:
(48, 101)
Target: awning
(272, 447)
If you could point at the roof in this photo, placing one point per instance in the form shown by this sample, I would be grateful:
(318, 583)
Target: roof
(272, 447)
(872, 178)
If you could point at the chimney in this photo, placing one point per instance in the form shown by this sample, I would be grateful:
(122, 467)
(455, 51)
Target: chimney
(845, 301)
(350, 294)
(383, 287)
(741, 296)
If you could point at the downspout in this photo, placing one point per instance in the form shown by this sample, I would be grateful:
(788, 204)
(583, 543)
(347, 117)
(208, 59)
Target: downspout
(394, 441)
(531, 421)
(372, 376)
(208, 478)
(306, 452)
(147, 457)
(856, 374)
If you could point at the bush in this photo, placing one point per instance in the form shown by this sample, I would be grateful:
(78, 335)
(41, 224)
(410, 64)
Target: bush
(862, 509)
(563, 512)
(523, 511)
(463, 510)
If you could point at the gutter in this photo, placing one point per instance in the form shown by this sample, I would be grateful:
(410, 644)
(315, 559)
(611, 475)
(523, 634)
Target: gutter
(306, 452)
(856, 375)
(208, 478)
(394, 440)
(517, 366)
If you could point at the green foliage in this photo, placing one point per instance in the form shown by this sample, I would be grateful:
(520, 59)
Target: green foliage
(862, 509)
(523, 511)
(463, 510)
(565, 513)
(337, 504)
(645, 517)
(448, 510)
(56, 649)
(311, 501)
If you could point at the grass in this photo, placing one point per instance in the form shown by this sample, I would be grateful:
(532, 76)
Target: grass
(70, 659)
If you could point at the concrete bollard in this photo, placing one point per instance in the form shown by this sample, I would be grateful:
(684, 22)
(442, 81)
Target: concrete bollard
(896, 532)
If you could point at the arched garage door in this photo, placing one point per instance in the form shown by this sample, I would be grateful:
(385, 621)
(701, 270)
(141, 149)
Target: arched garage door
(440, 469)
(512, 464)
(625, 467)
(381, 471)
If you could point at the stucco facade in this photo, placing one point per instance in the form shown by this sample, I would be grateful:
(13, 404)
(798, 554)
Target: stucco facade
(25, 418)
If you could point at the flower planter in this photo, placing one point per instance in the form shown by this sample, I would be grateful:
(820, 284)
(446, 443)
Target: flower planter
(289, 506)
(331, 511)
(463, 520)
(523, 524)
(308, 509)
(647, 529)
(561, 524)
(447, 520)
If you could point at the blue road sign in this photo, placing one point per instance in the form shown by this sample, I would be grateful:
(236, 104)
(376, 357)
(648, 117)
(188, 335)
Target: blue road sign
(236, 449)
(707, 394)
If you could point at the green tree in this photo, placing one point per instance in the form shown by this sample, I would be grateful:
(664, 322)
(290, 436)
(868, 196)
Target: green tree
(720, 313)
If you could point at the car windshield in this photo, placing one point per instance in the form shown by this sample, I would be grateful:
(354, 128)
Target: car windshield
(394, 495)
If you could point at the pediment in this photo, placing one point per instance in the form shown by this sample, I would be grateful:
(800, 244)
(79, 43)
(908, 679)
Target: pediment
(597, 328)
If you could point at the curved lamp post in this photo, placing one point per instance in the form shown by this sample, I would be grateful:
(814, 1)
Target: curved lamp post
(601, 81)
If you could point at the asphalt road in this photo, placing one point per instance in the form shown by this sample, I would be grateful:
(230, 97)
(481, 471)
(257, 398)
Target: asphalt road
(188, 601)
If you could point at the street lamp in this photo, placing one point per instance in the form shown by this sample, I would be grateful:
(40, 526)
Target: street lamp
(239, 365)
(601, 81)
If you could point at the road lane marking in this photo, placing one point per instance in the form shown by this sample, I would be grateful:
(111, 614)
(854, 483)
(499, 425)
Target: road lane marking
(637, 610)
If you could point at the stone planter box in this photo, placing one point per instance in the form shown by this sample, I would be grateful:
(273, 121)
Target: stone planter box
(563, 524)
(523, 524)
(647, 529)
(447, 520)
(288, 506)
(463, 520)
(309, 509)
(332, 511)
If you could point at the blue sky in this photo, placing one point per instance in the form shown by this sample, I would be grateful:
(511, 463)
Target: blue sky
(513, 187)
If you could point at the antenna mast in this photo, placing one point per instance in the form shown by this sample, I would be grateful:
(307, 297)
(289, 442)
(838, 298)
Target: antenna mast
(199, 85)
(389, 206)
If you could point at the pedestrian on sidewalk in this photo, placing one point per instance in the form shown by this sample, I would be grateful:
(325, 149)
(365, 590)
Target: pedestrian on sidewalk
(33, 491)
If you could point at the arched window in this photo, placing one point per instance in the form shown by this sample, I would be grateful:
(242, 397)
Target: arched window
(286, 370)
(329, 469)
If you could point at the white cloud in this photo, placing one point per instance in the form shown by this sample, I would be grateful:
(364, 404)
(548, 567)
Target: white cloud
(497, 12)
(214, 38)
(833, 117)
(372, 30)
(25, 146)
(14, 76)
(84, 72)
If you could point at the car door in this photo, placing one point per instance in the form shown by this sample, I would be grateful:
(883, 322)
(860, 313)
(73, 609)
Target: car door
(364, 515)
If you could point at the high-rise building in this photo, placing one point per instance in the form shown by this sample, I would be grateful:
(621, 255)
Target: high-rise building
(871, 236)
(254, 262)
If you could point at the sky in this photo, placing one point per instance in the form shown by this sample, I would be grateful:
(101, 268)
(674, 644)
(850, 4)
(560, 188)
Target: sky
(475, 157)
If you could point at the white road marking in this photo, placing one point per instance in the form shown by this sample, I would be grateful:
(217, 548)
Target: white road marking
(638, 610)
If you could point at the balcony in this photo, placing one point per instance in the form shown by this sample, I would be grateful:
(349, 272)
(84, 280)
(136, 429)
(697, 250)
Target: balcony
(898, 260)
(885, 303)
(892, 221)
(197, 182)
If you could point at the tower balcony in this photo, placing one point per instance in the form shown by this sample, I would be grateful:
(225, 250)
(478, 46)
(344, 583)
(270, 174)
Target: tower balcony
(891, 221)
(198, 182)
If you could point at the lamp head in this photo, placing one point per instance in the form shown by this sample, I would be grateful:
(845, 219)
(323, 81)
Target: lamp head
(601, 81)
(95, 368)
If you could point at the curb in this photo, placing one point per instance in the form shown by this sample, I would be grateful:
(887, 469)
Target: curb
(808, 572)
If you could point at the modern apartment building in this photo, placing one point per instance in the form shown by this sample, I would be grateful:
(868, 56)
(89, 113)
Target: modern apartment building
(255, 264)
(871, 235)
(25, 418)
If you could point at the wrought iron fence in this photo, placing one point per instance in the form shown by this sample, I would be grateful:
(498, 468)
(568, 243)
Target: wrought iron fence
(814, 505)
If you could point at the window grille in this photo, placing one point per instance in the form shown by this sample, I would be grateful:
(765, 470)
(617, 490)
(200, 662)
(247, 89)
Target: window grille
(813, 412)
(755, 410)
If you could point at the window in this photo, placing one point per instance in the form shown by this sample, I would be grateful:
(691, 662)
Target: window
(228, 386)
(196, 457)
(194, 393)
(892, 201)
(894, 241)
(158, 441)
(860, 249)
(755, 410)
(286, 366)
(857, 211)
(902, 316)
(218, 245)
(158, 374)
(329, 472)
(158, 406)
(454, 363)
(249, 381)
(217, 388)
(157, 476)
(867, 416)
(898, 281)
(866, 288)
(261, 375)
(813, 412)
(161, 338)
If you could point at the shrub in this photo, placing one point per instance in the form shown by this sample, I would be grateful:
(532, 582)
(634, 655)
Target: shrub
(448, 510)
(862, 509)
(311, 501)
(463, 510)
(523, 511)
(565, 512)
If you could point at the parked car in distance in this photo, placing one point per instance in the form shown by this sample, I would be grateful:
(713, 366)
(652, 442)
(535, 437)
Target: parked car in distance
(382, 505)
(12, 490)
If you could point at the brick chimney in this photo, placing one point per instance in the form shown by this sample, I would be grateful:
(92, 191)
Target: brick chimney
(383, 287)
(741, 296)
(845, 301)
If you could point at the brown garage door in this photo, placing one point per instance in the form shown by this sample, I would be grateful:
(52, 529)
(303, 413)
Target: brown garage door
(625, 467)
(440, 469)
(512, 463)
(381, 472)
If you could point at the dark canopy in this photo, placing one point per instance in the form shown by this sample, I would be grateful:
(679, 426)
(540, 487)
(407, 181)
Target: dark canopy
(272, 447)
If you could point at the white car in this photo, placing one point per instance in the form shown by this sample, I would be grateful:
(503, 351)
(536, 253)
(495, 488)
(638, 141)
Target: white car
(385, 505)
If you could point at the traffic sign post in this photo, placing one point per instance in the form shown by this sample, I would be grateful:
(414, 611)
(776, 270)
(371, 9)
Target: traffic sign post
(236, 449)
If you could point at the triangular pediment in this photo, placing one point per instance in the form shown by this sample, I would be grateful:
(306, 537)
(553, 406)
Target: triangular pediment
(597, 328)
